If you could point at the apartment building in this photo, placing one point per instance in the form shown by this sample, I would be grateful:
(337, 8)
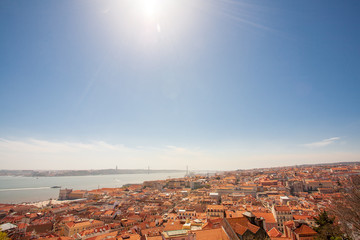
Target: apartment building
(281, 214)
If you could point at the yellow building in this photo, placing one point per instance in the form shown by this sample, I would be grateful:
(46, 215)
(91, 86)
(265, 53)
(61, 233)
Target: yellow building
(72, 228)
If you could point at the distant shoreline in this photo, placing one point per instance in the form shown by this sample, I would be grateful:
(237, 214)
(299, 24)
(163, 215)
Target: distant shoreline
(74, 173)
(19, 189)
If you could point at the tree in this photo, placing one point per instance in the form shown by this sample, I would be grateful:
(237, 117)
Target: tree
(326, 228)
(3, 236)
(346, 208)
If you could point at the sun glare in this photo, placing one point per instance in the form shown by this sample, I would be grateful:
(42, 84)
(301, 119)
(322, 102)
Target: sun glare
(151, 8)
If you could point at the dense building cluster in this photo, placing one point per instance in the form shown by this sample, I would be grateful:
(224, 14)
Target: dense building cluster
(275, 203)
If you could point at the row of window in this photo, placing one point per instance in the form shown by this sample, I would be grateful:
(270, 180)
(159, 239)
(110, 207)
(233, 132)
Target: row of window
(186, 214)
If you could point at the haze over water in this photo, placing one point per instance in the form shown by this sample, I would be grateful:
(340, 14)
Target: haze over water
(31, 189)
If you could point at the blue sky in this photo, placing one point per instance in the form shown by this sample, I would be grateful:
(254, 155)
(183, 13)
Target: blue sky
(211, 84)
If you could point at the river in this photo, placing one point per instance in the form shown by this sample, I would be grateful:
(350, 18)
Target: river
(31, 189)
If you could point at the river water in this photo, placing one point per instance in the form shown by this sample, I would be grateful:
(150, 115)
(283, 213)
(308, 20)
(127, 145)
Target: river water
(31, 189)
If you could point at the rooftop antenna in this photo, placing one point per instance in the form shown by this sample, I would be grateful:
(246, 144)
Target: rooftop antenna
(187, 170)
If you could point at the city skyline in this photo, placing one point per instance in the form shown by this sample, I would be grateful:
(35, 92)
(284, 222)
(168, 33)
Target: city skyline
(216, 85)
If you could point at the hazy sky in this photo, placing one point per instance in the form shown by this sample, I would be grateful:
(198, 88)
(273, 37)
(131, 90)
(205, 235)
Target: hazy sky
(211, 84)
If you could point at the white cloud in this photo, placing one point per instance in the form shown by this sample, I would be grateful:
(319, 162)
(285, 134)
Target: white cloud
(42, 154)
(106, 11)
(181, 150)
(322, 143)
(42, 146)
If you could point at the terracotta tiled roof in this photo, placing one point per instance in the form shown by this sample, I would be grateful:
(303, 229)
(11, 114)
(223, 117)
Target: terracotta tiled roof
(253, 228)
(289, 223)
(305, 230)
(212, 234)
(274, 233)
(241, 224)
(240, 229)
(302, 217)
(282, 208)
(240, 220)
(269, 217)
(22, 225)
(155, 238)
(217, 207)
(169, 226)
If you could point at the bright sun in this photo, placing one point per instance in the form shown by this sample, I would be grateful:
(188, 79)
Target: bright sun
(151, 8)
